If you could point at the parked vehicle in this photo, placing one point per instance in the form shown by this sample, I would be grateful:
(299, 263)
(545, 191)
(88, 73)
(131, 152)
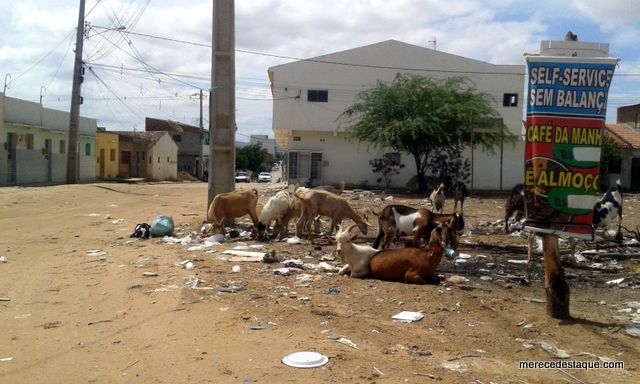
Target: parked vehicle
(242, 177)
(264, 177)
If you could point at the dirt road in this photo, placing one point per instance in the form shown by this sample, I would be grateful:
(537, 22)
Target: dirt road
(72, 316)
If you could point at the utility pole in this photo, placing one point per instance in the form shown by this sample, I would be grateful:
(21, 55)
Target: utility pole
(74, 118)
(222, 120)
(201, 157)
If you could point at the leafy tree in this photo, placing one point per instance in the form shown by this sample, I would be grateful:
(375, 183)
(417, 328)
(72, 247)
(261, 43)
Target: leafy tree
(449, 166)
(610, 154)
(387, 167)
(421, 116)
(253, 158)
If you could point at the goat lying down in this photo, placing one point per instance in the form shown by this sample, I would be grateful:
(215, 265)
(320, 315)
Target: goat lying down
(355, 257)
(397, 220)
(412, 265)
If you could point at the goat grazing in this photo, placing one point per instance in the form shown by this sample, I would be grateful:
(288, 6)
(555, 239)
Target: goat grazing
(397, 220)
(459, 192)
(437, 198)
(515, 204)
(275, 209)
(411, 265)
(231, 205)
(323, 203)
(331, 188)
(608, 207)
(355, 257)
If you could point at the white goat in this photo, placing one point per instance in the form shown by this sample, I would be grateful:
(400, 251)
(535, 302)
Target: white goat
(275, 209)
(355, 257)
(437, 199)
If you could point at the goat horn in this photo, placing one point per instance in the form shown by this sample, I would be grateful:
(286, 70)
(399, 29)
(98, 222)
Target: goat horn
(351, 228)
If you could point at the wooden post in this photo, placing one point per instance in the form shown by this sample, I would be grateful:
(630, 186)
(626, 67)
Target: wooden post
(555, 284)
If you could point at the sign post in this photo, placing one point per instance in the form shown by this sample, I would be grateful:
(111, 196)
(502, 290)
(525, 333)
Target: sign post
(567, 101)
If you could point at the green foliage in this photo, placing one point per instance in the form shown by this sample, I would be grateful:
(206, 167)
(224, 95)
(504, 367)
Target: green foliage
(610, 155)
(420, 115)
(253, 158)
(448, 166)
(387, 167)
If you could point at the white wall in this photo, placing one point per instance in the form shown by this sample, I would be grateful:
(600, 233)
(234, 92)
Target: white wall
(164, 148)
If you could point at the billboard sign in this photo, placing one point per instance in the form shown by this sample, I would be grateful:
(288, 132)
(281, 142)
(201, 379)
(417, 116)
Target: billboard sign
(567, 103)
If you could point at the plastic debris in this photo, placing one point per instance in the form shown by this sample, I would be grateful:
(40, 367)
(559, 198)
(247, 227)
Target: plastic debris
(633, 330)
(149, 274)
(189, 266)
(162, 226)
(293, 263)
(294, 240)
(455, 279)
(407, 317)
(6, 359)
(282, 272)
(345, 341)
(235, 269)
(305, 360)
(96, 253)
(517, 261)
(454, 366)
(553, 350)
(3, 259)
(616, 281)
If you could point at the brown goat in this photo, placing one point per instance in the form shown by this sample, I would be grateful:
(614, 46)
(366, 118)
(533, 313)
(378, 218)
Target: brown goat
(323, 203)
(459, 192)
(411, 265)
(231, 205)
(515, 204)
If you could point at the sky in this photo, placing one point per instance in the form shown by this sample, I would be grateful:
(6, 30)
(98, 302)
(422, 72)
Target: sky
(130, 77)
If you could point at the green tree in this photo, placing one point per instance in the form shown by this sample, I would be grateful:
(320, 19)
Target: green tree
(421, 116)
(253, 158)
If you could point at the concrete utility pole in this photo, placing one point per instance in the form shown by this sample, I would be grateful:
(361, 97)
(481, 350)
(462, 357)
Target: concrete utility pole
(201, 157)
(222, 120)
(74, 118)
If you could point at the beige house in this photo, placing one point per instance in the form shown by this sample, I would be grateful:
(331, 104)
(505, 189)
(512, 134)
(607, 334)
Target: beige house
(152, 155)
(309, 95)
(34, 141)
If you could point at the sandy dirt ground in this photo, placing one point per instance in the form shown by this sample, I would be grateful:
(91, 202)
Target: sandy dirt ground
(69, 316)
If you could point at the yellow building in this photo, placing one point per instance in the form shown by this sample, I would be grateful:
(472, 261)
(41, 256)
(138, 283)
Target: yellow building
(107, 150)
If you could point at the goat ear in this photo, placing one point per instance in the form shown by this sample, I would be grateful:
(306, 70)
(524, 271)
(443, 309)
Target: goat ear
(354, 237)
(331, 239)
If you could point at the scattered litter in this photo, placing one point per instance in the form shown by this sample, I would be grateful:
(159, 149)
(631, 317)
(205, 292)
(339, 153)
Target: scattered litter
(189, 266)
(328, 267)
(347, 342)
(449, 253)
(206, 228)
(294, 240)
(454, 366)
(257, 246)
(117, 221)
(616, 281)
(96, 253)
(241, 247)
(162, 226)
(5, 299)
(293, 263)
(230, 288)
(333, 291)
(407, 317)
(149, 274)
(464, 256)
(282, 272)
(204, 246)
(303, 279)
(270, 257)
(259, 327)
(192, 283)
(388, 198)
(3, 259)
(22, 316)
(553, 350)
(92, 215)
(305, 360)
(235, 269)
(377, 371)
(533, 300)
(633, 330)
(245, 255)
(217, 238)
(461, 262)
(518, 261)
(5, 359)
(455, 279)
(486, 278)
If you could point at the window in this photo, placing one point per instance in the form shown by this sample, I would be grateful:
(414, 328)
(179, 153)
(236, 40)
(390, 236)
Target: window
(293, 165)
(28, 141)
(167, 159)
(297, 138)
(112, 155)
(394, 158)
(510, 100)
(63, 146)
(125, 157)
(316, 164)
(87, 149)
(158, 159)
(318, 96)
(141, 155)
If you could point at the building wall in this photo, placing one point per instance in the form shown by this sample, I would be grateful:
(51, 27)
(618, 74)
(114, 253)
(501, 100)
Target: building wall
(265, 142)
(629, 115)
(108, 142)
(293, 113)
(162, 163)
(33, 124)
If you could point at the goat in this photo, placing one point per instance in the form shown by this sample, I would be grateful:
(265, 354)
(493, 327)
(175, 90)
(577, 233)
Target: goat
(459, 192)
(608, 207)
(323, 203)
(355, 257)
(396, 220)
(515, 204)
(331, 188)
(411, 265)
(437, 198)
(275, 209)
(294, 210)
(231, 205)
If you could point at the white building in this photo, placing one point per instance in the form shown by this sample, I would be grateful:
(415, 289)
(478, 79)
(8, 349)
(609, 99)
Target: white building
(265, 142)
(34, 141)
(309, 95)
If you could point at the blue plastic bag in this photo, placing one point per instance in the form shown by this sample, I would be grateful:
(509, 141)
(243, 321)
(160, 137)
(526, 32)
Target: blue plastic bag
(162, 226)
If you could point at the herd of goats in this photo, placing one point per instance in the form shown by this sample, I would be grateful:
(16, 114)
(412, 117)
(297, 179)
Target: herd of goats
(415, 264)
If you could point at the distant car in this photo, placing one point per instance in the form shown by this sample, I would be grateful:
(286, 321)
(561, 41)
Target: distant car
(242, 177)
(264, 177)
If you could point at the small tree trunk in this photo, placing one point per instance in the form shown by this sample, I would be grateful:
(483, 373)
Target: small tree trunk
(555, 285)
(422, 180)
